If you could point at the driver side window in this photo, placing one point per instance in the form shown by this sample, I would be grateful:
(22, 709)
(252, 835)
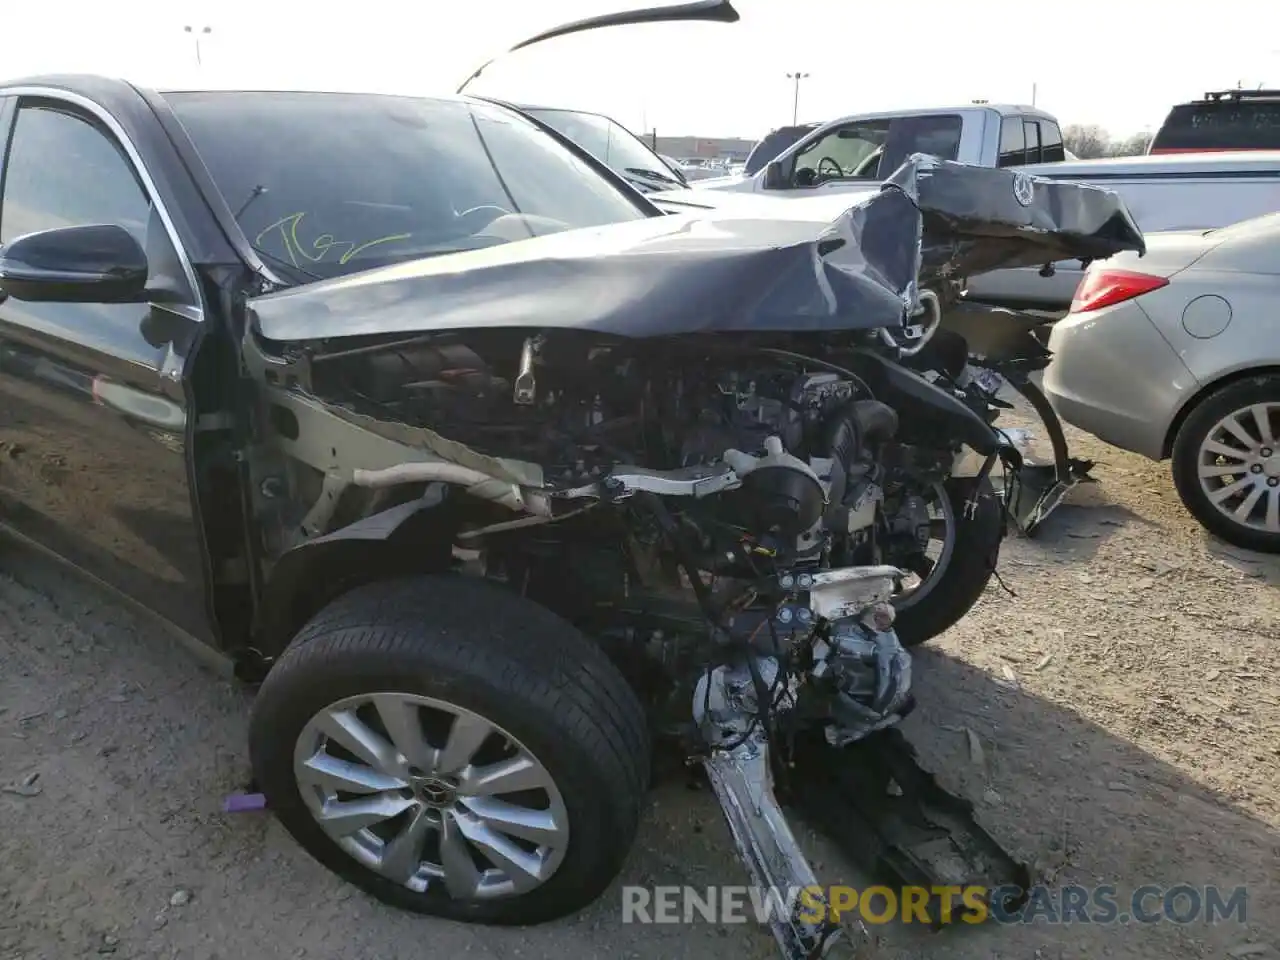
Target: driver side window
(64, 172)
(849, 151)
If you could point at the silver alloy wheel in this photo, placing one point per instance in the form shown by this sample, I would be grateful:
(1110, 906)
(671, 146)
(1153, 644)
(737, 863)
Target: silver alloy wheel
(1239, 467)
(425, 792)
(942, 535)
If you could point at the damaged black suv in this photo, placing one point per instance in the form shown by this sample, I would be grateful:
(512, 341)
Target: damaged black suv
(488, 471)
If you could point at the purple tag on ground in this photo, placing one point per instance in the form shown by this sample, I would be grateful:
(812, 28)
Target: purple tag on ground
(244, 803)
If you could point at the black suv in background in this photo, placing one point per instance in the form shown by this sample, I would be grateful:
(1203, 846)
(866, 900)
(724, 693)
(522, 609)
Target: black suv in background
(773, 143)
(1225, 120)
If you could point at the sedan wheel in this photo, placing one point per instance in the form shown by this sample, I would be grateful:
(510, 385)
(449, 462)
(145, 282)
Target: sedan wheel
(1226, 463)
(470, 807)
(1239, 467)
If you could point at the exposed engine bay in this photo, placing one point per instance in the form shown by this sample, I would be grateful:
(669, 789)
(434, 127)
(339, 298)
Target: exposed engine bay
(740, 496)
(732, 522)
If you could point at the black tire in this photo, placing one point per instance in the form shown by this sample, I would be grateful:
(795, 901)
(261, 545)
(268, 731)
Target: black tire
(969, 570)
(1263, 388)
(477, 646)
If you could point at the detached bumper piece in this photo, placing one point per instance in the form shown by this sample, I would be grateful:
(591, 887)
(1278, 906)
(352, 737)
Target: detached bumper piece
(743, 783)
(1039, 489)
(887, 815)
(1008, 343)
(893, 819)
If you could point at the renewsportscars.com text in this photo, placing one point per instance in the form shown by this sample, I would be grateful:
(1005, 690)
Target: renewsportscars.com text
(1102, 904)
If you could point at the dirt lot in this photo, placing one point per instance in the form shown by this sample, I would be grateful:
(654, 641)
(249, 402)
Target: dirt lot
(1126, 703)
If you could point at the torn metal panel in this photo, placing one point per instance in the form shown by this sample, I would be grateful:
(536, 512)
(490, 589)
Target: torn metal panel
(338, 441)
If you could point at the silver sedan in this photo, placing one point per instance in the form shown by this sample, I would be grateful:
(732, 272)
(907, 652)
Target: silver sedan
(1176, 356)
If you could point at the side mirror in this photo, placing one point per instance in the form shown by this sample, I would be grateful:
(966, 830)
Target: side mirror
(100, 263)
(775, 178)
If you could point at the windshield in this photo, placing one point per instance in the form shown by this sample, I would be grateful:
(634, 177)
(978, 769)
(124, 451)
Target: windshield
(328, 184)
(606, 140)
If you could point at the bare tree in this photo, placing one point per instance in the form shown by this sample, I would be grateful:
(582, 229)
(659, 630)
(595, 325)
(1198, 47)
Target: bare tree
(1133, 146)
(1086, 141)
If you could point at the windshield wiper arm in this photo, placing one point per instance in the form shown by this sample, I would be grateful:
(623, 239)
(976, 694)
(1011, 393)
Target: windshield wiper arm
(654, 174)
(287, 265)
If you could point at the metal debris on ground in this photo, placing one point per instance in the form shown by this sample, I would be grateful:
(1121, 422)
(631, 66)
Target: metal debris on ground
(975, 747)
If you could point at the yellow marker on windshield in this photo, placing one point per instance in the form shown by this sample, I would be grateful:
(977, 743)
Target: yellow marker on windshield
(320, 247)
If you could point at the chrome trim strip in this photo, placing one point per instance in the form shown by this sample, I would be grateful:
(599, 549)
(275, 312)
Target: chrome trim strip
(110, 122)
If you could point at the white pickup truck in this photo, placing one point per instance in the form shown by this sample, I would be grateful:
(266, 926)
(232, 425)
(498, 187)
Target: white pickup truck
(855, 153)
(1193, 191)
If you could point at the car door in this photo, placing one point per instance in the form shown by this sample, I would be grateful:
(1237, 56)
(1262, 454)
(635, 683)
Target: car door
(92, 407)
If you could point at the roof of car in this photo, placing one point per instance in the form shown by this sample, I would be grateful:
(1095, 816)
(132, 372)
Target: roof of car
(1003, 109)
(103, 88)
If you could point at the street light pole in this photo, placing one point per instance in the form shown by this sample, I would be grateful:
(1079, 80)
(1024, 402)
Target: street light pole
(197, 34)
(795, 100)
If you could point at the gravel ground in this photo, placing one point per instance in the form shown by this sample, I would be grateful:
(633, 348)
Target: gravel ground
(1125, 702)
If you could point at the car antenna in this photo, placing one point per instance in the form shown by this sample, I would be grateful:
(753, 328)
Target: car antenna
(713, 11)
(257, 191)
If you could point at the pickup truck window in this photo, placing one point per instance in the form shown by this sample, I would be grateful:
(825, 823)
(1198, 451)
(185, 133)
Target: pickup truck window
(63, 171)
(1051, 146)
(1013, 142)
(872, 149)
(1027, 139)
(1031, 128)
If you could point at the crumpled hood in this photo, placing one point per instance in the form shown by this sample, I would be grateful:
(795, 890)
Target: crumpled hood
(724, 272)
(820, 206)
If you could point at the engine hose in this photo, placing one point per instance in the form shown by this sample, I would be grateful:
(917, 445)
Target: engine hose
(475, 482)
(841, 443)
(858, 422)
(878, 421)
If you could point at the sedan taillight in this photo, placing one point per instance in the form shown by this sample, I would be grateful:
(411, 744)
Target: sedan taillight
(1102, 288)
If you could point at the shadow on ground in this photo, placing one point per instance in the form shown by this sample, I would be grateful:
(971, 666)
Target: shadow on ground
(136, 746)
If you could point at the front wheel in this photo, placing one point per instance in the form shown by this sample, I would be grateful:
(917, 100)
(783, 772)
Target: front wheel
(454, 750)
(965, 545)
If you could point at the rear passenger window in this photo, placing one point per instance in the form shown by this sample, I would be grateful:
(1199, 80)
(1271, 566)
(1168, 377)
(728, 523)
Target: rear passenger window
(1013, 142)
(1031, 128)
(1051, 148)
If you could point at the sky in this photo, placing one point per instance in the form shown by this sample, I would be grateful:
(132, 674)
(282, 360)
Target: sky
(1121, 66)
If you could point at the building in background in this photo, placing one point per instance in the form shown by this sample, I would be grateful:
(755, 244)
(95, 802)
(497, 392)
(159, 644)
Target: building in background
(731, 148)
